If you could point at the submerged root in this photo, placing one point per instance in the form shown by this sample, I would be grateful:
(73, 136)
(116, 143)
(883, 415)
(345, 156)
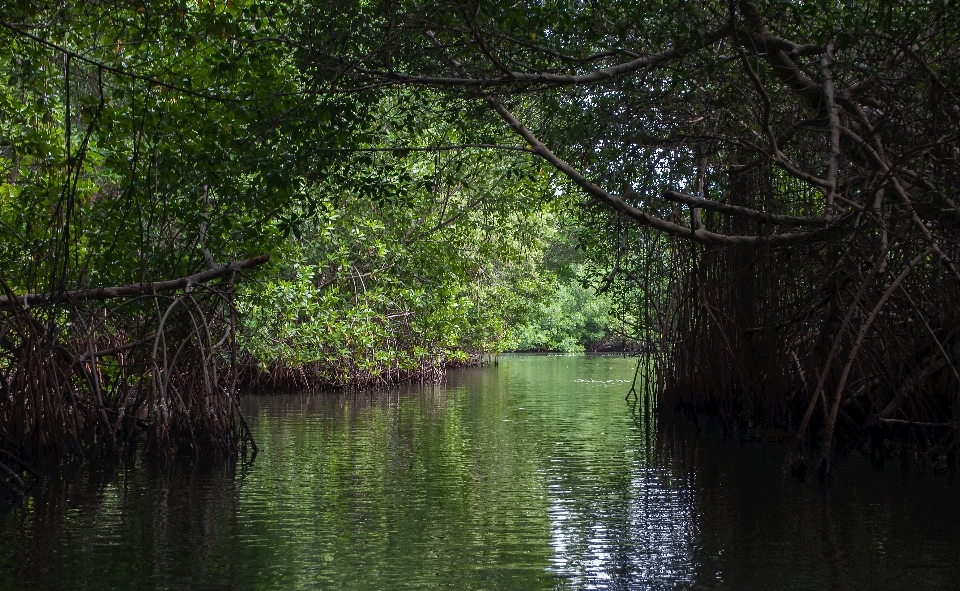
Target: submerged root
(156, 372)
(840, 343)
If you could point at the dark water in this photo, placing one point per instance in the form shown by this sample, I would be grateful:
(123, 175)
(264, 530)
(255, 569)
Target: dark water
(532, 475)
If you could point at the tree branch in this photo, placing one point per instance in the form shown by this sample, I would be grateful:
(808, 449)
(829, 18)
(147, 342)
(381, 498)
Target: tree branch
(135, 289)
(512, 77)
(760, 216)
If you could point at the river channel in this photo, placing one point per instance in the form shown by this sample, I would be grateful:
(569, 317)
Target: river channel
(533, 474)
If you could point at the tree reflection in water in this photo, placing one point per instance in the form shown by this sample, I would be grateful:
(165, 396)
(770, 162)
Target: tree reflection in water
(531, 475)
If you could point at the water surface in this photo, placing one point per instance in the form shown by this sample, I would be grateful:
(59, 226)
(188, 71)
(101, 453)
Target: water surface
(535, 474)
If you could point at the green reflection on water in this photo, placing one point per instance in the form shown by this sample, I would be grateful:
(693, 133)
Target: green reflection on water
(443, 486)
(532, 475)
(435, 486)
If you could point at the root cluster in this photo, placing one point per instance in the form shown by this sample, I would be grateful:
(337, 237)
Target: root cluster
(84, 375)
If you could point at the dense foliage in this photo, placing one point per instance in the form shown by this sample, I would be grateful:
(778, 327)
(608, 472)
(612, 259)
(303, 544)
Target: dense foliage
(763, 193)
(149, 151)
(783, 173)
(406, 260)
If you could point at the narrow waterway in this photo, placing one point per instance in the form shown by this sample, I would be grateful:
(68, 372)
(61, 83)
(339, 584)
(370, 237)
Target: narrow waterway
(535, 474)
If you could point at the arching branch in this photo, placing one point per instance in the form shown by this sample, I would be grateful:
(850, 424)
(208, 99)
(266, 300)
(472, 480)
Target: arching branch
(135, 289)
